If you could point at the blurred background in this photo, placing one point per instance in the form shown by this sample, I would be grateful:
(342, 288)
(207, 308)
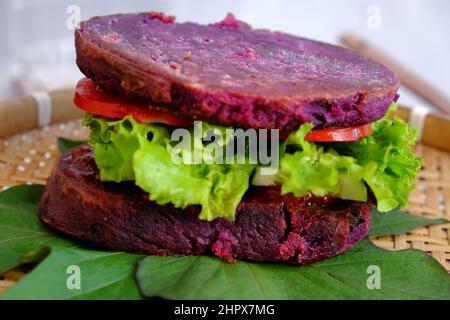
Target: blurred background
(37, 52)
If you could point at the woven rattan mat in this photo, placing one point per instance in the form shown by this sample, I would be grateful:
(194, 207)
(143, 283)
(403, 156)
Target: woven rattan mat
(29, 158)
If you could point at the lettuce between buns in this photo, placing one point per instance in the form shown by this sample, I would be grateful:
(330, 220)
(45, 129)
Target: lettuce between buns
(127, 150)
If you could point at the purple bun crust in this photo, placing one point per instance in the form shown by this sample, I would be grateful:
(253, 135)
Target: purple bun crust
(231, 74)
(268, 226)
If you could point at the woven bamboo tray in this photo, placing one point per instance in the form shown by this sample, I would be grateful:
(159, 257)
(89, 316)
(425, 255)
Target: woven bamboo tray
(28, 155)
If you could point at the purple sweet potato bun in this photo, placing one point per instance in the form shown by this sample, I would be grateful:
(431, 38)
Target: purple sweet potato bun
(268, 226)
(229, 73)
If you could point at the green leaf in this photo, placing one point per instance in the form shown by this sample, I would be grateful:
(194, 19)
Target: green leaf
(24, 239)
(20, 230)
(218, 188)
(103, 275)
(384, 161)
(115, 142)
(128, 150)
(65, 145)
(397, 222)
(390, 166)
(409, 274)
(314, 169)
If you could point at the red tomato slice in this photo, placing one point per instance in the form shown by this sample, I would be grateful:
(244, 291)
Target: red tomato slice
(90, 98)
(340, 135)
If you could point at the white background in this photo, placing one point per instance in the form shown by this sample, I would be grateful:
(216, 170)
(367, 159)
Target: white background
(36, 47)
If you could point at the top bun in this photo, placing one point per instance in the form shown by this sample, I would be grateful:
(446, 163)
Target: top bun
(228, 73)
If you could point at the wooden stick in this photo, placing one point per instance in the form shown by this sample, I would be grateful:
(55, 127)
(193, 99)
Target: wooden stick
(407, 77)
(20, 114)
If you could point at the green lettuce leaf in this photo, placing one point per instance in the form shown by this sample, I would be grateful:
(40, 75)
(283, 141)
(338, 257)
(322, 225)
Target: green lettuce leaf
(389, 164)
(384, 161)
(115, 142)
(319, 171)
(217, 188)
(128, 150)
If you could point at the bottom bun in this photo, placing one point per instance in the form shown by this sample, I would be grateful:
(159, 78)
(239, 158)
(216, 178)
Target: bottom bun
(268, 226)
